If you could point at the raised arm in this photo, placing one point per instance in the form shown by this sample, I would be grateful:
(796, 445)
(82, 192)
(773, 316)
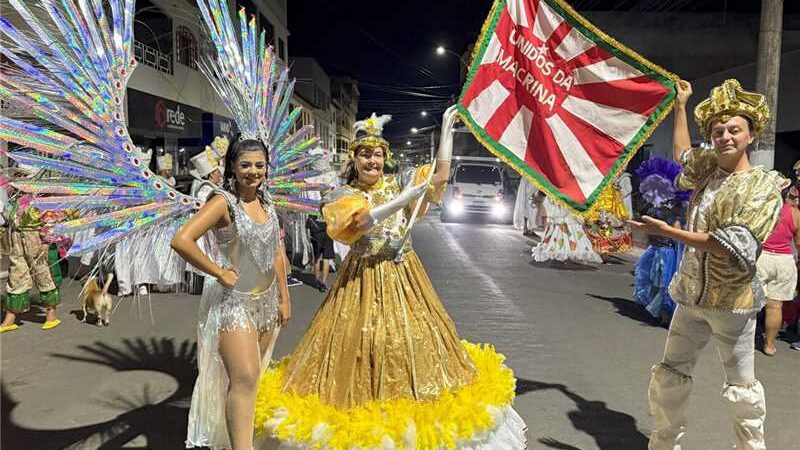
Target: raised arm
(214, 212)
(445, 153)
(681, 141)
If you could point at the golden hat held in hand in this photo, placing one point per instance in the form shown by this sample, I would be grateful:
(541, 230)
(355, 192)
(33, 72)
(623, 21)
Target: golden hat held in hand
(728, 100)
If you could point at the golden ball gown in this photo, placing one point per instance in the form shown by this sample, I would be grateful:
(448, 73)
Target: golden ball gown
(381, 365)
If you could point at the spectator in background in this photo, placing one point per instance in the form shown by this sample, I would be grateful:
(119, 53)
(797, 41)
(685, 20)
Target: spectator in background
(29, 265)
(777, 270)
(164, 163)
(525, 208)
(323, 251)
(625, 186)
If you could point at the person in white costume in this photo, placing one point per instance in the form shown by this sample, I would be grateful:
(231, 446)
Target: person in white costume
(525, 208)
(564, 238)
(164, 163)
(146, 258)
(207, 170)
(625, 187)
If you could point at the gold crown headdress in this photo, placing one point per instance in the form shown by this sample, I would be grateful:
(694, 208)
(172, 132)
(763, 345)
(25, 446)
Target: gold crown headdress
(728, 100)
(369, 133)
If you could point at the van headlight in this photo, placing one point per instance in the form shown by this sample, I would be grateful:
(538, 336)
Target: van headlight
(456, 207)
(498, 210)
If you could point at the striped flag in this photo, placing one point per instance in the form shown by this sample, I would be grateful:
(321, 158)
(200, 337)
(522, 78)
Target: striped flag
(557, 99)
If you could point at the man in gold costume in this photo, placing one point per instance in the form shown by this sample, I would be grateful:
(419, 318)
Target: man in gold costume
(734, 208)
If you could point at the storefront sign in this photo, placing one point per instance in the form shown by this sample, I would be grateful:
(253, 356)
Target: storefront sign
(150, 113)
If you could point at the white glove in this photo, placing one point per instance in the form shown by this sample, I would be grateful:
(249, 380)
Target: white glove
(409, 194)
(449, 117)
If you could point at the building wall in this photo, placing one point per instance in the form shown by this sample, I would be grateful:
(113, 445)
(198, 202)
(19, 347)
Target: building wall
(186, 84)
(275, 12)
(706, 49)
(167, 53)
(314, 86)
(787, 145)
(693, 45)
(345, 95)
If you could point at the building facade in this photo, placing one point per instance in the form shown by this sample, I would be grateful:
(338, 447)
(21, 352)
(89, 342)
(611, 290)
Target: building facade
(313, 87)
(706, 49)
(344, 104)
(169, 104)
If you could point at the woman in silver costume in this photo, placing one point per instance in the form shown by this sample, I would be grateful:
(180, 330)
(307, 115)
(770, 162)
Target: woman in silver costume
(245, 300)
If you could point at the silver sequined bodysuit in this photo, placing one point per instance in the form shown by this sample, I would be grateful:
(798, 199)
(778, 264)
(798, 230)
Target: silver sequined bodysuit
(249, 248)
(252, 304)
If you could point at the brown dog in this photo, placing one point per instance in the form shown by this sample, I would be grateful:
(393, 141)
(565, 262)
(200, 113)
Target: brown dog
(98, 300)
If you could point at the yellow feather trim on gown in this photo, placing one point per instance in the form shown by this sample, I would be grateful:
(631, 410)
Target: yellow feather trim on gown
(456, 415)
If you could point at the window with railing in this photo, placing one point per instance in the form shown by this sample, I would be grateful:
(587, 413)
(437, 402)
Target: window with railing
(149, 56)
(153, 37)
(187, 47)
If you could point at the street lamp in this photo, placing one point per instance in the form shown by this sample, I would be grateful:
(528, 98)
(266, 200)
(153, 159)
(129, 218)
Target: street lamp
(441, 51)
(408, 143)
(414, 130)
(424, 113)
(462, 64)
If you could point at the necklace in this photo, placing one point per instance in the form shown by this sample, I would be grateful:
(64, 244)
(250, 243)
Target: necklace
(369, 187)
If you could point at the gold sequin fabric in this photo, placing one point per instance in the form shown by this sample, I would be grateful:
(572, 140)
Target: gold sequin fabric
(728, 100)
(740, 211)
(381, 333)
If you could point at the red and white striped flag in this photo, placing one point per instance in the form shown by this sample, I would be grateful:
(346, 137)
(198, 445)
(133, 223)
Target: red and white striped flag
(560, 101)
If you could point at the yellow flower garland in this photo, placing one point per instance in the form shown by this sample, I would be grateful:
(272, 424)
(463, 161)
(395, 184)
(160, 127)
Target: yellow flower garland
(454, 416)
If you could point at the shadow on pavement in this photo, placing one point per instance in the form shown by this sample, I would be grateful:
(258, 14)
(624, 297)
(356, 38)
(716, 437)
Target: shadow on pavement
(308, 278)
(163, 423)
(610, 429)
(615, 260)
(565, 265)
(36, 314)
(630, 309)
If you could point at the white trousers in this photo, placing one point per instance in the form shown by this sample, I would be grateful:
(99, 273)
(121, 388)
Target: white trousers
(671, 382)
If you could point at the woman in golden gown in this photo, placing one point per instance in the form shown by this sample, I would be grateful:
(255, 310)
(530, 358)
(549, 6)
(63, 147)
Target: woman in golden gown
(381, 365)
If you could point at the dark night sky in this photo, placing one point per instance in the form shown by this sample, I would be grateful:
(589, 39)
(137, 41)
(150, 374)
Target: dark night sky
(389, 46)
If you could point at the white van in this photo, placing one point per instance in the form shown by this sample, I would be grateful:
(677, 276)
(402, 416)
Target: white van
(478, 185)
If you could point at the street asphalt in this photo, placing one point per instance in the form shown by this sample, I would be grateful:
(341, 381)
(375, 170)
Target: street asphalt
(580, 348)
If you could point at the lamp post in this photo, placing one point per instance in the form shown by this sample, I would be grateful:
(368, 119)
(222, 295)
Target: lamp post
(442, 50)
(432, 129)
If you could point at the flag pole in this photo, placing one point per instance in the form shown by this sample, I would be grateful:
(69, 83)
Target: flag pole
(399, 256)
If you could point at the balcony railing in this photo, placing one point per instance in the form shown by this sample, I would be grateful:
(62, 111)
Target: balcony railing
(152, 57)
